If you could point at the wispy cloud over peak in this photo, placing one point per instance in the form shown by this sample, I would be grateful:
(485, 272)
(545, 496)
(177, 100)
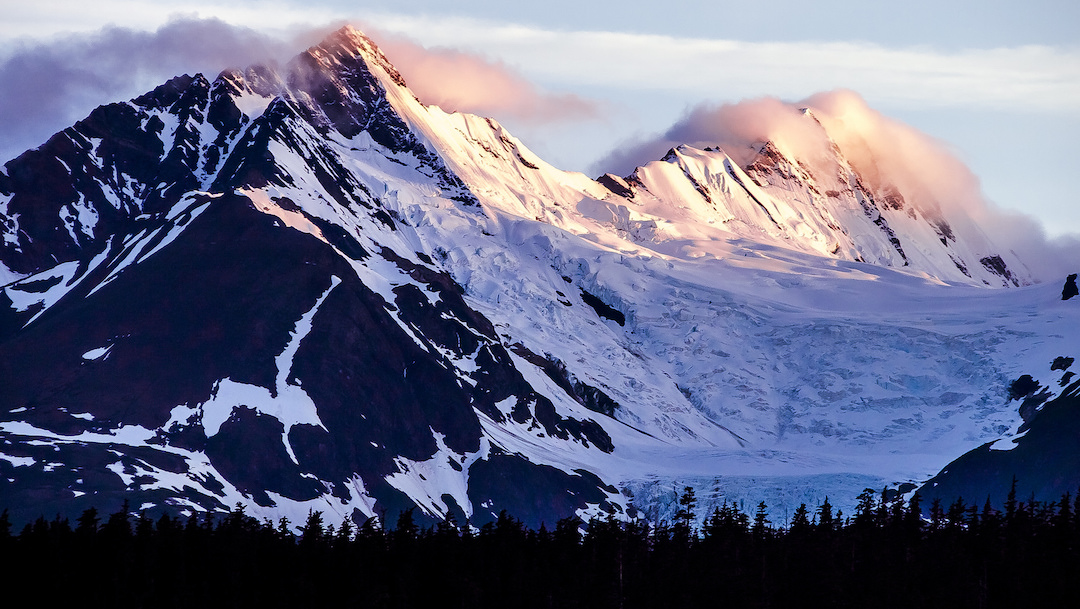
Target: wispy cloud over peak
(50, 84)
(1030, 77)
(468, 82)
(885, 152)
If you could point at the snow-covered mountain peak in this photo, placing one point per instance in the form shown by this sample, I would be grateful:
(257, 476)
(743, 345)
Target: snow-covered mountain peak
(799, 189)
(260, 80)
(342, 48)
(802, 190)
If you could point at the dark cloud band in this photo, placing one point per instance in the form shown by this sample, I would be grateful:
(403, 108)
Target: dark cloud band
(49, 85)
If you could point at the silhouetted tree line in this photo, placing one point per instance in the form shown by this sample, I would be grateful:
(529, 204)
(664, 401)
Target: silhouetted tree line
(889, 553)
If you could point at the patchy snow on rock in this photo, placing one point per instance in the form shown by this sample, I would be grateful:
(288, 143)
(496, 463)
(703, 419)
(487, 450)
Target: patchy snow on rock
(445, 473)
(97, 354)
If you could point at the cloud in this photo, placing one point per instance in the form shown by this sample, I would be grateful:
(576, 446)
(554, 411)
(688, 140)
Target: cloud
(49, 85)
(1049, 260)
(458, 81)
(885, 152)
(1029, 78)
(733, 127)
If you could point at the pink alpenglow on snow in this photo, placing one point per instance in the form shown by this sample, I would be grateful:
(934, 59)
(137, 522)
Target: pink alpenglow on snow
(886, 153)
(457, 81)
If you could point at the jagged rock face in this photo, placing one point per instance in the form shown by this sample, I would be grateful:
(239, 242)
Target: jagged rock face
(1039, 455)
(94, 179)
(235, 357)
(66, 198)
(293, 378)
(302, 289)
(1069, 289)
(778, 199)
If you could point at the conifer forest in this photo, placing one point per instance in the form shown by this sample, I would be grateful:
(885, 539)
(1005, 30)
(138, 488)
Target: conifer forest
(889, 553)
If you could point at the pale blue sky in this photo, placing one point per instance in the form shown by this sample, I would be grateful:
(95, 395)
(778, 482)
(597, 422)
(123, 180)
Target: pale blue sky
(999, 82)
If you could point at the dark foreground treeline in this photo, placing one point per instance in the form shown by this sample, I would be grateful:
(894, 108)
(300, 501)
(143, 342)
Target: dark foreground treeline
(886, 555)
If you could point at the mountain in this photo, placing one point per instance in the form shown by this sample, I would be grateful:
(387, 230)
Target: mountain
(301, 288)
(1035, 461)
(828, 210)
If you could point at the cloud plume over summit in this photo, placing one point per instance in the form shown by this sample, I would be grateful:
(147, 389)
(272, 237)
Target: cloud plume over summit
(50, 85)
(885, 152)
(465, 82)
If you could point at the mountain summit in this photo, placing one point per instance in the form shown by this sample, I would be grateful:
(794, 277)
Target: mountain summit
(301, 288)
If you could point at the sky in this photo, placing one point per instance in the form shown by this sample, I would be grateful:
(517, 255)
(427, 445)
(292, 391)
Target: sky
(587, 85)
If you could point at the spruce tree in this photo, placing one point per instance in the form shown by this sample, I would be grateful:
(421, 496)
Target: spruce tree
(1010, 503)
(865, 510)
(825, 520)
(761, 527)
(685, 517)
(937, 514)
(313, 531)
(88, 522)
(800, 521)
